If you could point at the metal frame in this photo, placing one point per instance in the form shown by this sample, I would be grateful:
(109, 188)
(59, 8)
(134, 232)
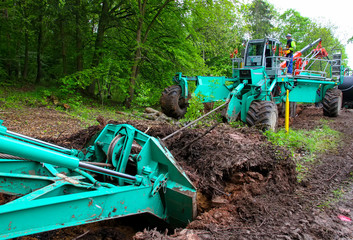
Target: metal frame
(53, 188)
(261, 83)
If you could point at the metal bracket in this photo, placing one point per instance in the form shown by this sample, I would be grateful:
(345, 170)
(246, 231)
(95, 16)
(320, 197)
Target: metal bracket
(160, 182)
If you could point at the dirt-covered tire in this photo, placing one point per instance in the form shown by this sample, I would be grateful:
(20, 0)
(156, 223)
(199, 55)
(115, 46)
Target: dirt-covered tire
(292, 109)
(172, 103)
(332, 102)
(263, 114)
(251, 117)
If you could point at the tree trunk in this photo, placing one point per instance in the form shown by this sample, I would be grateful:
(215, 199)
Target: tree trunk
(26, 60)
(63, 44)
(79, 50)
(137, 55)
(18, 54)
(100, 34)
(139, 42)
(39, 48)
(103, 20)
(8, 37)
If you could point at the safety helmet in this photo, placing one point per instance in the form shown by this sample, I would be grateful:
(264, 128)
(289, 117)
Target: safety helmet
(289, 35)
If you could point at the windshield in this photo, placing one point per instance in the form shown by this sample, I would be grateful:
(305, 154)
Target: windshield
(254, 54)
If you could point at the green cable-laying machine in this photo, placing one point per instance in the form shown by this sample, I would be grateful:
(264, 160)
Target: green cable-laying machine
(124, 172)
(257, 89)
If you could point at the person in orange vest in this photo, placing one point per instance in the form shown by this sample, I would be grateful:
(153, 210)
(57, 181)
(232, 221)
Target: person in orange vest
(289, 52)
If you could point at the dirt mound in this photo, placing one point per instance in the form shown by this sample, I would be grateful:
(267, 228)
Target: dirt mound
(226, 162)
(247, 185)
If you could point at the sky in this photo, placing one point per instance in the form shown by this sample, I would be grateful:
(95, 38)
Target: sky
(338, 13)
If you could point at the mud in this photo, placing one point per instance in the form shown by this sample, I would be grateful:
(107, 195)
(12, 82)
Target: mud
(309, 211)
(229, 168)
(247, 187)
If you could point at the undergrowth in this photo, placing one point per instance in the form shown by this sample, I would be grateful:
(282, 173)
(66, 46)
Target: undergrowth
(78, 106)
(196, 109)
(304, 145)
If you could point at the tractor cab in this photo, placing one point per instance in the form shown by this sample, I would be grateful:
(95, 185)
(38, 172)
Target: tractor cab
(263, 53)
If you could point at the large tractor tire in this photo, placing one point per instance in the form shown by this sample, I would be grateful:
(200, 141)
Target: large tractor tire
(252, 117)
(332, 102)
(347, 88)
(292, 109)
(172, 103)
(263, 114)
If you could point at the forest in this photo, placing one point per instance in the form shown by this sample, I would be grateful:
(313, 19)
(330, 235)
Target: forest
(125, 52)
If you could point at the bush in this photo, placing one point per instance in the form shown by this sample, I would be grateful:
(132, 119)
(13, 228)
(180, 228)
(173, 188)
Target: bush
(195, 108)
(319, 140)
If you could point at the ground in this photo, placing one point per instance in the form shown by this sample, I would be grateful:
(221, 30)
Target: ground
(247, 188)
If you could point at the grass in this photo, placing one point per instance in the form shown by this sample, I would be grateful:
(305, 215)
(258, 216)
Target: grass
(338, 193)
(82, 108)
(305, 145)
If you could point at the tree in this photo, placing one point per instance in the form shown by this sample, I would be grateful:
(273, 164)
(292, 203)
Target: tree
(129, 50)
(39, 25)
(212, 29)
(260, 17)
(111, 14)
(292, 22)
(147, 16)
(79, 7)
(305, 31)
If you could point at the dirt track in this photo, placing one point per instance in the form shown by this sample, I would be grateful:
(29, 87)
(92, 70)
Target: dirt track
(247, 187)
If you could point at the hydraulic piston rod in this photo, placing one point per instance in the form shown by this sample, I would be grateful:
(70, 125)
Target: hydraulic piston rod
(307, 47)
(37, 153)
(105, 171)
(39, 142)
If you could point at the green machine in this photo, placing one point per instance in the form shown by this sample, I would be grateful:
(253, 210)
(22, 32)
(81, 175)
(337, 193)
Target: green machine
(257, 90)
(124, 172)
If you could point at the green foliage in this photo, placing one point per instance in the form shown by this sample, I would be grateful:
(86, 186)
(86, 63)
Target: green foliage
(319, 140)
(195, 108)
(260, 17)
(15, 98)
(3, 75)
(334, 197)
(83, 45)
(79, 80)
(107, 75)
(145, 96)
(237, 124)
(306, 144)
(292, 22)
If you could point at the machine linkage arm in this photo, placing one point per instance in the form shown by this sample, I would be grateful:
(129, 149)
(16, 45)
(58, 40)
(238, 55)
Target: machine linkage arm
(36, 150)
(307, 47)
(298, 54)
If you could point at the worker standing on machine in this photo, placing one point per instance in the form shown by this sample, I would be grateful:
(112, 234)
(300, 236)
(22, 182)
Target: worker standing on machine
(289, 52)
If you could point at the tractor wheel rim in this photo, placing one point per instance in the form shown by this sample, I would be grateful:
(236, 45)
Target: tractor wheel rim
(339, 103)
(273, 120)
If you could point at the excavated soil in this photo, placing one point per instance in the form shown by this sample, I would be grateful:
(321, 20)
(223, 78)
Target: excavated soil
(247, 188)
(311, 211)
